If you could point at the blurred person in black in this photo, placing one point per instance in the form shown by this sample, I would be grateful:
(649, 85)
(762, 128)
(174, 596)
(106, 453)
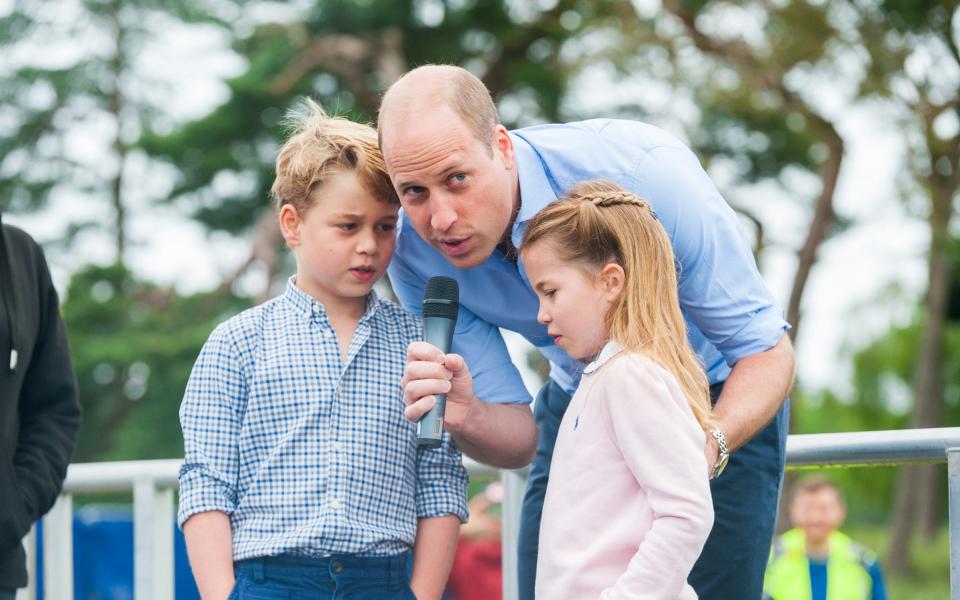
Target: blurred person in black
(39, 409)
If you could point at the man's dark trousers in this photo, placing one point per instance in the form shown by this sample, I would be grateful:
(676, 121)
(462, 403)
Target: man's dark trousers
(745, 501)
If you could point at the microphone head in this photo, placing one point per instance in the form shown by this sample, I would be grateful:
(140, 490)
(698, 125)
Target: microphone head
(441, 298)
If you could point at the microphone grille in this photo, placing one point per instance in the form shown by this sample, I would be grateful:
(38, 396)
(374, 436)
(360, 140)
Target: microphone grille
(441, 298)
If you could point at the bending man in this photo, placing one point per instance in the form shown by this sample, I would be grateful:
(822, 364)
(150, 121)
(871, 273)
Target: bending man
(467, 187)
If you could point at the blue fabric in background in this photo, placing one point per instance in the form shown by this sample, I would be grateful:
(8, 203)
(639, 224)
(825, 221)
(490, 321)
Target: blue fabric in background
(103, 556)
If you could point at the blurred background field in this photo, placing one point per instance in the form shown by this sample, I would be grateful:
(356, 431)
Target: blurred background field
(137, 140)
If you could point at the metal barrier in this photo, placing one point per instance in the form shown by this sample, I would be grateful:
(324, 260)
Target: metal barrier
(154, 481)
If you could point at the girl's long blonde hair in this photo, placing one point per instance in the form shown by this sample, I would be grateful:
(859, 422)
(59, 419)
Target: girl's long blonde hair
(598, 222)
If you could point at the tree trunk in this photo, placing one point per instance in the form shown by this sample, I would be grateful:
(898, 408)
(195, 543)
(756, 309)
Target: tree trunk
(264, 251)
(823, 217)
(115, 102)
(916, 492)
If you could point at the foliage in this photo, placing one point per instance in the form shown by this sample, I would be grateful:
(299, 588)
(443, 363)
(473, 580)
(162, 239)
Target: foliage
(344, 53)
(931, 581)
(133, 347)
(72, 101)
(133, 339)
(883, 378)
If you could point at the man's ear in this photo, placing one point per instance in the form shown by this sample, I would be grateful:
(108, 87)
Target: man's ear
(503, 145)
(613, 278)
(289, 219)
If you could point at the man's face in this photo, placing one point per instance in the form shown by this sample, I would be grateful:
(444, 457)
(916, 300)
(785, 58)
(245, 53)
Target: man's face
(457, 191)
(818, 513)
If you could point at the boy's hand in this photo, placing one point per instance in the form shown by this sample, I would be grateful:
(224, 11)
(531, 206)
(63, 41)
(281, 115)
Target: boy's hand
(427, 372)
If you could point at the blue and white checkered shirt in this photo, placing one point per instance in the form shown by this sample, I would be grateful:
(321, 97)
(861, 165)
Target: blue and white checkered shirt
(307, 454)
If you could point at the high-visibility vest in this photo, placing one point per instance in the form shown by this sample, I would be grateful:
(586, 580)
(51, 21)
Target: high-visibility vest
(788, 572)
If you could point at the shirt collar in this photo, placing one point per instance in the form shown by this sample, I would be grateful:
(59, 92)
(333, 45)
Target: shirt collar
(611, 349)
(308, 306)
(536, 190)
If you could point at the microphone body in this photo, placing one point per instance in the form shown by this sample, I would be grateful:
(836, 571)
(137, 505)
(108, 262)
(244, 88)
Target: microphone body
(440, 308)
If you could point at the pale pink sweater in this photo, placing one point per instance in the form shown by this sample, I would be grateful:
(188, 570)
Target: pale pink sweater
(628, 505)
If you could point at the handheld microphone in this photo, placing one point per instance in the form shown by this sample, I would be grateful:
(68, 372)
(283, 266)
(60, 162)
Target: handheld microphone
(441, 302)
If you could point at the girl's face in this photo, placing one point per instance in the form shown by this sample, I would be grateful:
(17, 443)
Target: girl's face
(573, 303)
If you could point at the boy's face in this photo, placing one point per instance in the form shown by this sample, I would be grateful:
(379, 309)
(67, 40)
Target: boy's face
(343, 243)
(818, 513)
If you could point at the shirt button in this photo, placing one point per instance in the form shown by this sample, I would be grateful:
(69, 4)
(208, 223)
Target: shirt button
(328, 334)
(337, 566)
(336, 504)
(338, 446)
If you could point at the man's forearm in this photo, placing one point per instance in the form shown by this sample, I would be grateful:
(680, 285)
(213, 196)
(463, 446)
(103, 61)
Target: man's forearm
(210, 549)
(501, 435)
(754, 392)
(433, 553)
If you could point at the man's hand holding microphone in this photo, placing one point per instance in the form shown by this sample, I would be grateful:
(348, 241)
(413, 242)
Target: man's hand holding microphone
(438, 392)
(437, 387)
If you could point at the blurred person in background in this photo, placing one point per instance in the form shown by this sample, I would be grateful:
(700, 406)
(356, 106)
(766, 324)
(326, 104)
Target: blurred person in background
(815, 561)
(477, 572)
(39, 408)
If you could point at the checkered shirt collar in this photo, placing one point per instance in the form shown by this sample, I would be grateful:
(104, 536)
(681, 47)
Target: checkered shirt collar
(308, 306)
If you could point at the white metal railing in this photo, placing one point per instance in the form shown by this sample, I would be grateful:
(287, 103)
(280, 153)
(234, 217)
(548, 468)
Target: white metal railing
(153, 483)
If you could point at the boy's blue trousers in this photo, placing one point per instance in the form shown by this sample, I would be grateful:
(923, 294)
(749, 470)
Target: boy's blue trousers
(338, 577)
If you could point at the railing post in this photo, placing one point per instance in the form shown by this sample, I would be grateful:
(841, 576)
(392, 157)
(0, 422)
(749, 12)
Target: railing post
(514, 484)
(152, 541)
(58, 549)
(953, 484)
(30, 549)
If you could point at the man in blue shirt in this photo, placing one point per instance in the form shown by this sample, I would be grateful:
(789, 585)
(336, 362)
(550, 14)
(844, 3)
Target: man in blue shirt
(467, 187)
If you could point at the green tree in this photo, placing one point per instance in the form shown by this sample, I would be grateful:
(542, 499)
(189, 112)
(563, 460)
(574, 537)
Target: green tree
(914, 64)
(344, 53)
(750, 81)
(756, 109)
(69, 122)
(133, 347)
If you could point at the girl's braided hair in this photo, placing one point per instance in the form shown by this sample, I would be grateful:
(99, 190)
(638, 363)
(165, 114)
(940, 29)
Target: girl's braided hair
(598, 222)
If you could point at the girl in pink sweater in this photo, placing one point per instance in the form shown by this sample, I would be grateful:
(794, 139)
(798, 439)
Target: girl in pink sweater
(628, 505)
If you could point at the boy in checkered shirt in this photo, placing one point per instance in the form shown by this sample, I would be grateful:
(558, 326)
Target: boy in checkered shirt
(301, 475)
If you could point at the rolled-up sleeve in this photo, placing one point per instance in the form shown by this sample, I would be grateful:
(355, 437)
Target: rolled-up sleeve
(496, 379)
(721, 290)
(441, 481)
(210, 417)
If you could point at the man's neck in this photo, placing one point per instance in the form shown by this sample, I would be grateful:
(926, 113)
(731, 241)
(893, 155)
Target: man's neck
(506, 242)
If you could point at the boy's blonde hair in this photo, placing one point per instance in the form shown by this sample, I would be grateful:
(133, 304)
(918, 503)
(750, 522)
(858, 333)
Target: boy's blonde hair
(320, 145)
(598, 222)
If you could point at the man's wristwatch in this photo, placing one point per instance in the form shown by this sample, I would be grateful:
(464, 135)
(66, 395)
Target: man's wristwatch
(721, 463)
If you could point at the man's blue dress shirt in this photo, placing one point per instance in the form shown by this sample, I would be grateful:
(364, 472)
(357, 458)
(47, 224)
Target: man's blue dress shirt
(729, 311)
